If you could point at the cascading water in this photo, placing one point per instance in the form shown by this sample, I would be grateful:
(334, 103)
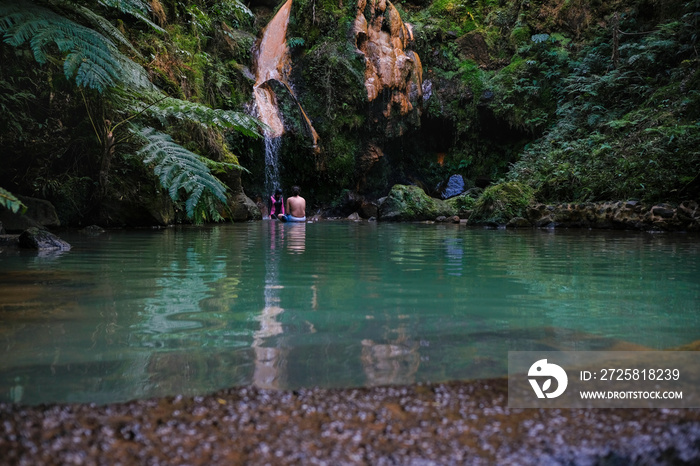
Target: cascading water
(271, 59)
(272, 63)
(272, 171)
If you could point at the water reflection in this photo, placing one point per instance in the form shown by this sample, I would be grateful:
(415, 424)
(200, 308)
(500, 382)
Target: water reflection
(140, 314)
(269, 360)
(296, 237)
(268, 342)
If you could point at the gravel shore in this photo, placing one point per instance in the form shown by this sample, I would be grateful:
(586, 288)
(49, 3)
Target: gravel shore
(450, 423)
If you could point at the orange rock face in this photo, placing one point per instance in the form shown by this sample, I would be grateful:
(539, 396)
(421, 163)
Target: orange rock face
(383, 38)
(272, 62)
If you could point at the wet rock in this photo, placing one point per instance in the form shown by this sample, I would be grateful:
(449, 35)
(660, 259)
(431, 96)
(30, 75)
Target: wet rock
(8, 242)
(354, 216)
(518, 222)
(663, 211)
(93, 230)
(243, 208)
(368, 209)
(629, 215)
(42, 240)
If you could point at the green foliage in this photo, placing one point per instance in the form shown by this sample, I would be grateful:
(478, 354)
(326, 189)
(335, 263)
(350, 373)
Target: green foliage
(14, 101)
(91, 59)
(233, 11)
(502, 202)
(181, 171)
(527, 90)
(625, 132)
(167, 109)
(137, 8)
(10, 202)
(295, 42)
(86, 44)
(462, 204)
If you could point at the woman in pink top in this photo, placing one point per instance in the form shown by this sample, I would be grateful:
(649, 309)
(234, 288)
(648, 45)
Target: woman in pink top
(276, 204)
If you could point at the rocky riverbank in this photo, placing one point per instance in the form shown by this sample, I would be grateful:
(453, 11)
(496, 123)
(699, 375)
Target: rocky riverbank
(451, 423)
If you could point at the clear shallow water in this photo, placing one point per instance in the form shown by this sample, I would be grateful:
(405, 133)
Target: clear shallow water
(134, 314)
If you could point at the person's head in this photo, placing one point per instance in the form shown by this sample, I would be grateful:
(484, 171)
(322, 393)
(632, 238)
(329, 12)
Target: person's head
(295, 190)
(278, 192)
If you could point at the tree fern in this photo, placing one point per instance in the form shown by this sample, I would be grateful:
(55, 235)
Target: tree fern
(91, 59)
(181, 171)
(105, 28)
(167, 109)
(136, 8)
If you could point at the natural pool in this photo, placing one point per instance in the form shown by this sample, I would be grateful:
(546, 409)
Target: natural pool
(136, 314)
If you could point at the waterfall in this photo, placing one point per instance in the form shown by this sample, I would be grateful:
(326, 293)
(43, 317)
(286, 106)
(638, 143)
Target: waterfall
(272, 171)
(272, 63)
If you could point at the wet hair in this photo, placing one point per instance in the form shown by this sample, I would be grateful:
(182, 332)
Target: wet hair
(295, 190)
(278, 191)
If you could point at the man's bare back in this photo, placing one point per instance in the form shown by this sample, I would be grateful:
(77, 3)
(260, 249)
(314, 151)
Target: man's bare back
(296, 205)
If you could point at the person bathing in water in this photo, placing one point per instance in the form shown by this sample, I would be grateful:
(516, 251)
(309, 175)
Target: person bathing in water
(276, 204)
(296, 206)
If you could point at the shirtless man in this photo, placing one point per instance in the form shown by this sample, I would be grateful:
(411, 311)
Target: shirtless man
(296, 206)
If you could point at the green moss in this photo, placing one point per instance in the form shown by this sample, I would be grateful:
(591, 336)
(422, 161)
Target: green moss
(520, 36)
(502, 202)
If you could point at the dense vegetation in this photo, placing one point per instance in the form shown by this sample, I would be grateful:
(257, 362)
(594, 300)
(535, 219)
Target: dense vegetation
(574, 100)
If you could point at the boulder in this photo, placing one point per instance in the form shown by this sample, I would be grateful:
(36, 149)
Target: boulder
(40, 213)
(518, 222)
(368, 209)
(243, 208)
(454, 187)
(42, 240)
(410, 203)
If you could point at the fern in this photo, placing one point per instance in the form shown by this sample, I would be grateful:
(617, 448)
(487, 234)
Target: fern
(170, 108)
(103, 26)
(9, 201)
(91, 59)
(295, 42)
(181, 171)
(136, 8)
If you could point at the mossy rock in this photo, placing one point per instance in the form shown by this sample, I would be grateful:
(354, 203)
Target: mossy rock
(462, 204)
(501, 202)
(410, 203)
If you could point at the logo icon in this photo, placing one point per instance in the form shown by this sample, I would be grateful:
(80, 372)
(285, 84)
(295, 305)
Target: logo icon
(543, 369)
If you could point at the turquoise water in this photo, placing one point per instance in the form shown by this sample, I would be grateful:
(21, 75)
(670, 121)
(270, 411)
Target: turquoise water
(136, 314)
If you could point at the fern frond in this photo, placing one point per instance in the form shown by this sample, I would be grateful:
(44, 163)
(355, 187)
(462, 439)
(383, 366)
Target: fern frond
(180, 171)
(103, 26)
(170, 108)
(9, 201)
(136, 8)
(92, 60)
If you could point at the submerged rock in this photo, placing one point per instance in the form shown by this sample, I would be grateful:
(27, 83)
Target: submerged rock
(42, 240)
